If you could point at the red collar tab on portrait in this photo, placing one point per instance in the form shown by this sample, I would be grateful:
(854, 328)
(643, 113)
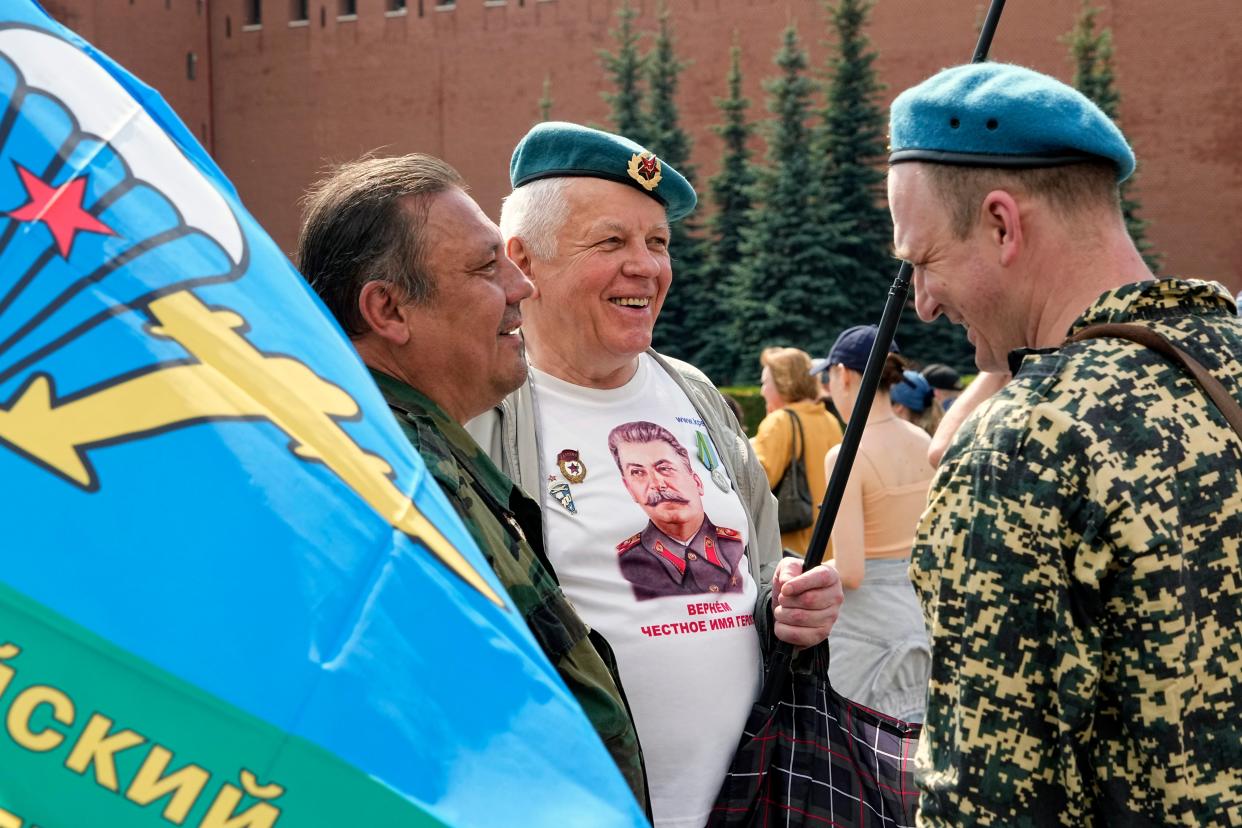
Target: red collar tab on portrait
(664, 553)
(709, 550)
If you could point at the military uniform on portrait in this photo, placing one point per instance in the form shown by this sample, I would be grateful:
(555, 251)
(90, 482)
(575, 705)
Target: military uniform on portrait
(657, 565)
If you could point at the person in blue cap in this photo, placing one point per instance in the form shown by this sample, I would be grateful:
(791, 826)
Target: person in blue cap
(1078, 561)
(880, 653)
(914, 400)
(588, 223)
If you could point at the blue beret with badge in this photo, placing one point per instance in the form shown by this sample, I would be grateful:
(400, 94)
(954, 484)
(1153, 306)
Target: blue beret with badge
(1001, 115)
(555, 148)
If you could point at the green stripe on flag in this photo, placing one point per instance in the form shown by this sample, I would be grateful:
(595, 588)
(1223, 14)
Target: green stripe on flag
(93, 736)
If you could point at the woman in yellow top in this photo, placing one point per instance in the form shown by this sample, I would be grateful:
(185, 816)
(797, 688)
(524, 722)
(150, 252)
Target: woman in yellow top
(788, 386)
(880, 656)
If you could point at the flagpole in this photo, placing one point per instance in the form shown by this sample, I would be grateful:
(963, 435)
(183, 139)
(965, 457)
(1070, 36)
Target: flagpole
(898, 293)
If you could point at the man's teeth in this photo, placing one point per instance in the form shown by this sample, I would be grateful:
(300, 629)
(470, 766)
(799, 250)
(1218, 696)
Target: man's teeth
(631, 301)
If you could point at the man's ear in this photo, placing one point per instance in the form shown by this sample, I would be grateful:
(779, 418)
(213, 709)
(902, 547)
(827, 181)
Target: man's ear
(384, 310)
(1002, 220)
(519, 254)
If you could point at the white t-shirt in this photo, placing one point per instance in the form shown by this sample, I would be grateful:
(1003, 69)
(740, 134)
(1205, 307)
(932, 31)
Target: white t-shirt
(673, 595)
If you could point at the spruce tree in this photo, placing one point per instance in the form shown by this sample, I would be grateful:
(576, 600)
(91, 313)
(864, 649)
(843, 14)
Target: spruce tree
(686, 321)
(626, 69)
(785, 254)
(851, 150)
(1091, 52)
(665, 137)
(731, 195)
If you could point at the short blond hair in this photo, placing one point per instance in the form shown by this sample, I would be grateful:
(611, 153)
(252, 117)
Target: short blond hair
(791, 373)
(1071, 190)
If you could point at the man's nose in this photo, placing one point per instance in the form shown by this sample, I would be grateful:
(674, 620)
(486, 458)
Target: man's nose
(517, 286)
(924, 304)
(640, 261)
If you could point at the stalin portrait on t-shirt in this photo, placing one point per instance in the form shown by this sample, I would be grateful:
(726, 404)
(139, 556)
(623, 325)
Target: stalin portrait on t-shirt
(680, 552)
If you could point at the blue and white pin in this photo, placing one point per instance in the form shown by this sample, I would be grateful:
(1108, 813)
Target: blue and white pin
(711, 461)
(560, 491)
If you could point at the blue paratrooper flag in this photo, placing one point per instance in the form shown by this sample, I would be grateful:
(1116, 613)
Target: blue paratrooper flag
(230, 594)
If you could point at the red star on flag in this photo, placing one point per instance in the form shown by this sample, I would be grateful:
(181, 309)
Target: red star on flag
(60, 208)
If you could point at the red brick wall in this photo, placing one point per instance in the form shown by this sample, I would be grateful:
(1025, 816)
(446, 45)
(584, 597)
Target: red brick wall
(152, 38)
(464, 84)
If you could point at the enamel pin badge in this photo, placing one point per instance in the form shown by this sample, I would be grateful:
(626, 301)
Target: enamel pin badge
(560, 491)
(571, 465)
(645, 169)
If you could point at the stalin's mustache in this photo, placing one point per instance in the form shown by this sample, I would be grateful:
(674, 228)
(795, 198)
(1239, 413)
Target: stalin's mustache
(664, 496)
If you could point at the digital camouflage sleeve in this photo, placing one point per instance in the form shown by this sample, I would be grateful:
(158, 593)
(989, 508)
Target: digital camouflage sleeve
(1078, 567)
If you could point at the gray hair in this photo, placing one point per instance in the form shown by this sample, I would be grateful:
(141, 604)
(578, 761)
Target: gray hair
(535, 213)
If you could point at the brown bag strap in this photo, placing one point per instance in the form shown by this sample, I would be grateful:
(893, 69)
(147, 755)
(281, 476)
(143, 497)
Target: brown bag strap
(1147, 337)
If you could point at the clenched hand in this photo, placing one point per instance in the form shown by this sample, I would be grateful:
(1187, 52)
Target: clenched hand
(805, 604)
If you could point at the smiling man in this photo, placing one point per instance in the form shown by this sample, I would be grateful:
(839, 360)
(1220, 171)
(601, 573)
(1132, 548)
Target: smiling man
(417, 276)
(1078, 562)
(588, 223)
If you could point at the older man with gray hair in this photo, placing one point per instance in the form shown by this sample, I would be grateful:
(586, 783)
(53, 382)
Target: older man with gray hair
(588, 223)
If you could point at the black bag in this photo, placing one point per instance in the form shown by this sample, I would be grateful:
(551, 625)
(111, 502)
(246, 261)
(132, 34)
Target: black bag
(793, 496)
(819, 759)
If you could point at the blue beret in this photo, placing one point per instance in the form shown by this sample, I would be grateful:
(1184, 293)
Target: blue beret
(854, 345)
(914, 392)
(555, 148)
(1001, 115)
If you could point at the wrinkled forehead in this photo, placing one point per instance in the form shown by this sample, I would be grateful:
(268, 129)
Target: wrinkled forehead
(453, 213)
(913, 202)
(455, 227)
(596, 203)
(905, 182)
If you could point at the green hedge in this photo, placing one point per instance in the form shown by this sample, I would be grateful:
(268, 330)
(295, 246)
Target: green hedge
(751, 400)
(753, 407)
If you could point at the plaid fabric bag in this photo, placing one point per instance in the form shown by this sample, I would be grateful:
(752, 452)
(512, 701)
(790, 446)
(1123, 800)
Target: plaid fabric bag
(819, 759)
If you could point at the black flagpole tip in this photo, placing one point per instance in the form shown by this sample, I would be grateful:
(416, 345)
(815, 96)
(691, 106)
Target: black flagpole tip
(988, 32)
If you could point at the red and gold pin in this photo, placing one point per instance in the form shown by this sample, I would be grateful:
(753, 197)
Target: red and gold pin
(571, 465)
(645, 169)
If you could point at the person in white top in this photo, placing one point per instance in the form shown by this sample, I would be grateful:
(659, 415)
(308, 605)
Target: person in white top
(658, 519)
